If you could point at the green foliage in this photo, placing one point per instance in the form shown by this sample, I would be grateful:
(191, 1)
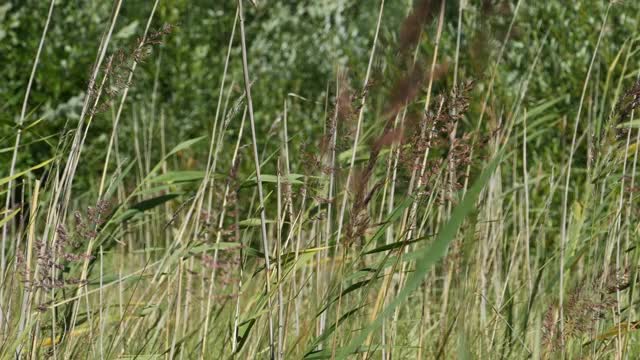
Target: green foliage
(408, 213)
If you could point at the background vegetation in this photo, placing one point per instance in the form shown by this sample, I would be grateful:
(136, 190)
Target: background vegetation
(325, 179)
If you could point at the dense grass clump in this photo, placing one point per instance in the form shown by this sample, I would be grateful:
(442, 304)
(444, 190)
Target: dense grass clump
(319, 179)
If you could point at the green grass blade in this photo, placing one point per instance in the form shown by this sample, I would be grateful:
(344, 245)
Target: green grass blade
(428, 257)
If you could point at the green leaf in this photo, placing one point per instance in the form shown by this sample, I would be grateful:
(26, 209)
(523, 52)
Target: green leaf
(350, 289)
(312, 354)
(393, 217)
(144, 206)
(542, 107)
(394, 245)
(179, 176)
(184, 145)
(9, 217)
(17, 175)
(153, 202)
(253, 222)
(127, 31)
(634, 124)
(266, 178)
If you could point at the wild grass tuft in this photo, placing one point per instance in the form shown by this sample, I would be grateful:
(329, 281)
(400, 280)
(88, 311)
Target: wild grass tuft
(319, 180)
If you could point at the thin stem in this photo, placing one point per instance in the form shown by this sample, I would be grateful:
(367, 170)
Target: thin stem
(256, 158)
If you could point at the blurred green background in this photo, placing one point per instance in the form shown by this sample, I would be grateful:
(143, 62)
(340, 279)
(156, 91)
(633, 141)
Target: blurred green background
(294, 47)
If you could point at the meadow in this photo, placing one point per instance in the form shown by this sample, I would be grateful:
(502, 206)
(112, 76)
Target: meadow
(319, 179)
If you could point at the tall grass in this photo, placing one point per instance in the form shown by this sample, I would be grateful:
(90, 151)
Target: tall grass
(442, 211)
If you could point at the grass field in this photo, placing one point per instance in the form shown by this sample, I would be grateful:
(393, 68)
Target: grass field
(425, 179)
